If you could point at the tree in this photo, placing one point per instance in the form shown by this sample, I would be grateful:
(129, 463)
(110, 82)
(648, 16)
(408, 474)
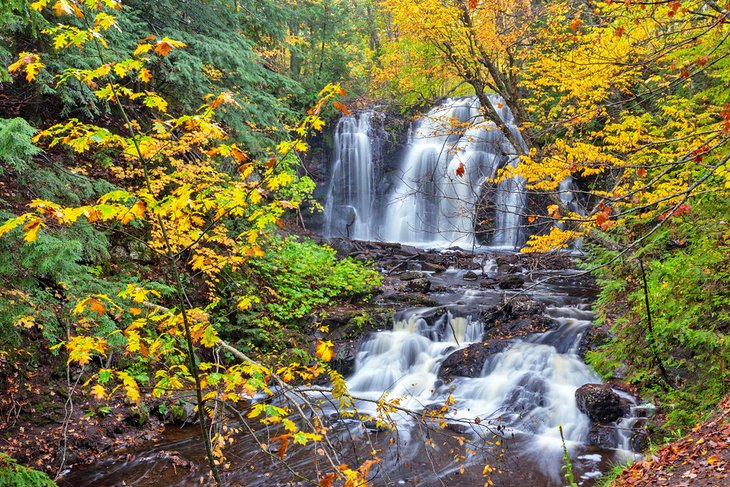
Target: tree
(201, 205)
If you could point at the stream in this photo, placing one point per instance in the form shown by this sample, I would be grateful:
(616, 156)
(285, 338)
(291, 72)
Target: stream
(523, 391)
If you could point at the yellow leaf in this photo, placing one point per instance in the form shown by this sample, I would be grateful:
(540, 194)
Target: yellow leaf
(145, 75)
(324, 350)
(142, 49)
(31, 230)
(98, 392)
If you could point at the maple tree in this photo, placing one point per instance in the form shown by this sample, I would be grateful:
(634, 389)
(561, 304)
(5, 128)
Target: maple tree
(201, 222)
(628, 103)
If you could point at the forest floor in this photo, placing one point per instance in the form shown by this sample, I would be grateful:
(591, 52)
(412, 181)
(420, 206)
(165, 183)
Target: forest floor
(701, 458)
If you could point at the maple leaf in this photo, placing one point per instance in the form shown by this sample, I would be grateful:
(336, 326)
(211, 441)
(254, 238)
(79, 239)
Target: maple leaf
(283, 441)
(166, 45)
(327, 480)
(142, 49)
(324, 350)
(209, 337)
(98, 392)
(460, 170)
(31, 230)
(62, 7)
(342, 108)
(145, 75)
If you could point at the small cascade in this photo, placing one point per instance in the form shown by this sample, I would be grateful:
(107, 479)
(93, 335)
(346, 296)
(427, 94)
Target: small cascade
(530, 385)
(452, 152)
(405, 361)
(350, 202)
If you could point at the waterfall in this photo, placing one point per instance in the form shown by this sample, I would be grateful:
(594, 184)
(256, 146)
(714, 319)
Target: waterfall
(529, 387)
(351, 195)
(452, 152)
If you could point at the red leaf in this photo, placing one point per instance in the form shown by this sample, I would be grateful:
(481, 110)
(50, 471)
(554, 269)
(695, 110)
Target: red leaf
(460, 170)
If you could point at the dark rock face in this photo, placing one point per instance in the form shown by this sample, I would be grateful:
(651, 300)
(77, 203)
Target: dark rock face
(422, 285)
(521, 327)
(599, 402)
(510, 281)
(524, 306)
(342, 246)
(469, 361)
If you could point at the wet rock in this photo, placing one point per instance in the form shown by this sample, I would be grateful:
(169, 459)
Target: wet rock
(433, 267)
(419, 285)
(524, 306)
(372, 425)
(520, 327)
(599, 402)
(602, 435)
(342, 246)
(510, 281)
(469, 361)
(411, 275)
(470, 276)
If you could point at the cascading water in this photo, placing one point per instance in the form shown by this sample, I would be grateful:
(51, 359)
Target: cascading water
(530, 386)
(453, 152)
(349, 207)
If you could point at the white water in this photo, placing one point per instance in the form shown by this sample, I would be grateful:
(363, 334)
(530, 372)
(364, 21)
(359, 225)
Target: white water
(349, 207)
(529, 388)
(452, 152)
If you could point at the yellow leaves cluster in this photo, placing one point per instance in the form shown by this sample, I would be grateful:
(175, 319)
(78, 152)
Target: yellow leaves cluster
(30, 63)
(555, 240)
(82, 348)
(324, 350)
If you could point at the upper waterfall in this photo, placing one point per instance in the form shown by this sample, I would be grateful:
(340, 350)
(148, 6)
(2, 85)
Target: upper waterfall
(349, 208)
(453, 151)
(436, 198)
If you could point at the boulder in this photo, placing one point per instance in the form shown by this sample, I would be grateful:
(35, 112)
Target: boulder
(469, 361)
(411, 275)
(470, 276)
(510, 281)
(524, 306)
(599, 402)
(342, 246)
(519, 327)
(433, 267)
(422, 285)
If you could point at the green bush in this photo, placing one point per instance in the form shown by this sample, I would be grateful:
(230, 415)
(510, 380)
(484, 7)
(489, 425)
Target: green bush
(292, 282)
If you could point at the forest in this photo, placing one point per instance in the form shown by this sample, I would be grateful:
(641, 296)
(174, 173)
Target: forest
(364, 242)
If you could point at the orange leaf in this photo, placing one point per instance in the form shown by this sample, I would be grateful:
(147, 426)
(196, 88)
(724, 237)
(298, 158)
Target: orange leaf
(327, 480)
(96, 305)
(575, 24)
(341, 108)
(283, 444)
